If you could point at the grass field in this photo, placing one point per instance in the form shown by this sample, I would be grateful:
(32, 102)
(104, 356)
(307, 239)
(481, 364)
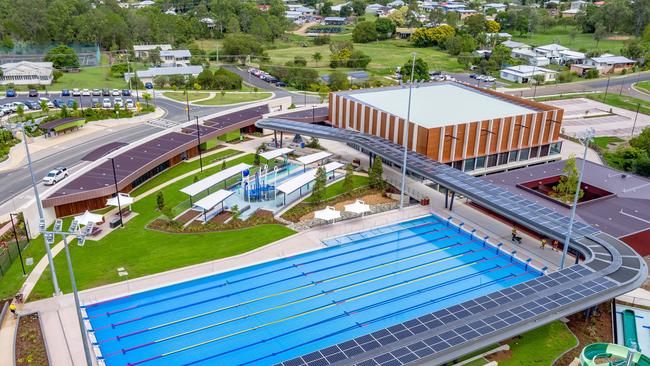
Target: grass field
(336, 189)
(232, 98)
(540, 346)
(644, 86)
(604, 141)
(91, 78)
(192, 95)
(561, 36)
(141, 251)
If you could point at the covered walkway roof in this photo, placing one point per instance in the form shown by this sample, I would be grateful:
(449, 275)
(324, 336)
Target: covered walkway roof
(294, 184)
(213, 199)
(268, 155)
(214, 179)
(312, 158)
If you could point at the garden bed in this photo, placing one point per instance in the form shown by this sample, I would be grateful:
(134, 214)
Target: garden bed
(261, 217)
(30, 344)
(598, 328)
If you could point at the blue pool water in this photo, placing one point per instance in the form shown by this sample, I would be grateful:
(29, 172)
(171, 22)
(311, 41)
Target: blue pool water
(268, 313)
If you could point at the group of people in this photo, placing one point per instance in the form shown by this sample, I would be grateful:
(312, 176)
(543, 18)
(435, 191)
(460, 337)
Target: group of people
(543, 243)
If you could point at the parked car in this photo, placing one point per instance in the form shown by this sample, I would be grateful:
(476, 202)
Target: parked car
(6, 110)
(281, 84)
(95, 102)
(106, 92)
(76, 92)
(10, 93)
(106, 103)
(58, 103)
(47, 102)
(472, 76)
(148, 85)
(70, 103)
(96, 92)
(126, 93)
(489, 78)
(129, 103)
(33, 93)
(86, 92)
(32, 105)
(55, 175)
(115, 93)
(118, 102)
(65, 93)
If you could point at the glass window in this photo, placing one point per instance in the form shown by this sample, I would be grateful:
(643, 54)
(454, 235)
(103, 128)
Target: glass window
(469, 164)
(492, 160)
(480, 162)
(458, 164)
(544, 151)
(523, 154)
(503, 158)
(556, 147)
(534, 151)
(513, 156)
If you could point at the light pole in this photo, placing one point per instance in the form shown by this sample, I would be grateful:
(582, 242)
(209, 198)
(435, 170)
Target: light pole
(81, 238)
(187, 103)
(638, 106)
(406, 135)
(198, 146)
(50, 259)
(606, 89)
(20, 254)
(117, 193)
(588, 135)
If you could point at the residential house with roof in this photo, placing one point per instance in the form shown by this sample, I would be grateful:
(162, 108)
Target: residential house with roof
(142, 50)
(514, 44)
(496, 6)
(27, 73)
(568, 57)
(209, 22)
(377, 9)
(575, 8)
(530, 57)
(175, 58)
(526, 74)
(149, 74)
(395, 4)
(550, 51)
(610, 64)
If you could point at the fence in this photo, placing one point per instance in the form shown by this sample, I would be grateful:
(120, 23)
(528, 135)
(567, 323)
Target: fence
(9, 254)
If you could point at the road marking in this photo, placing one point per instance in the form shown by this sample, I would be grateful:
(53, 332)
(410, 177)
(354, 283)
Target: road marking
(634, 217)
(633, 189)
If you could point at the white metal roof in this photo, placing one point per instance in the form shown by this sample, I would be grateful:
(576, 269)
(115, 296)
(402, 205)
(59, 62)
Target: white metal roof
(213, 199)
(214, 179)
(275, 153)
(293, 184)
(312, 158)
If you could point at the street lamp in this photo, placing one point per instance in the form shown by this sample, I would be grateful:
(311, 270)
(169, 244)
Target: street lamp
(586, 138)
(406, 135)
(636, 116)
(20, 254)
(117, 193)
(198, 138)
(81, 238)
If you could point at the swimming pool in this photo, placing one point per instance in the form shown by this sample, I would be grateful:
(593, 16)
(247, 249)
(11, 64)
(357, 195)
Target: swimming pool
(271, 312)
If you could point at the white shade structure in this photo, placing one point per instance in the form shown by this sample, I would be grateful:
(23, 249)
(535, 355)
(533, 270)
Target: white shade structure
(312, 158)
(125, 200)
(358, 207)
(268, 155)
(329, 213)
(87, 217)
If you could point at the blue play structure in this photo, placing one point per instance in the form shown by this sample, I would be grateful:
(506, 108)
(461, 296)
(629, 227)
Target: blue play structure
(255, 188)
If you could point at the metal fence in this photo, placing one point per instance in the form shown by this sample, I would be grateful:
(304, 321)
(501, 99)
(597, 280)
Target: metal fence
(9, 253)
(89, 55)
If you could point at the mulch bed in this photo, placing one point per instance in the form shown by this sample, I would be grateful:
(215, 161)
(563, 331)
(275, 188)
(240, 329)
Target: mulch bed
(221, 217)
(301, 210)
(30, 346)
(261, 217)
(598, 328)
(187, 216)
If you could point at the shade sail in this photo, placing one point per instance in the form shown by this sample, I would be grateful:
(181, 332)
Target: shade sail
(295, 183)
(312, 158)
(214, 179)
(358, 207)
(213, 199)
(329, 213)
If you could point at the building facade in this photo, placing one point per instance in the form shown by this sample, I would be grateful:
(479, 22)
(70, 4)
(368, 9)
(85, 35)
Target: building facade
(480, 146)
(27, 73)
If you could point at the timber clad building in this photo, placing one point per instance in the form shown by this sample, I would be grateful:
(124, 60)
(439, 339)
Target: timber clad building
(475, 130)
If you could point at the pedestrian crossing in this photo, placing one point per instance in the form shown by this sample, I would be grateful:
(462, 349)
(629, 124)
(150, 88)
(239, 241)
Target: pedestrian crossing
(164, 123)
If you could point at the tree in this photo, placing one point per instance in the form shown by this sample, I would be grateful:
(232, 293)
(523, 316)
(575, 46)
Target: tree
(147, 98)
(153, 57)
(358, 60)
(376, 174)
(642, 141)
(160, 201)
(205, 79)
(460, 43)
(62, 57)
(348, 181)
(421, 70)
(316, 56)
(338, 80)
(234, 211)
(475, 24)
(642, 167)
(565, 189)
(320, 188)
(346, 11)
(44, 107)
(359, 7)
(238, 46)
(299, 61)
(364, 32)
(539, 79)
(20, 111)
(492, 26)
(326, 9)
(599, 33)
(160, 81)
(385, 28)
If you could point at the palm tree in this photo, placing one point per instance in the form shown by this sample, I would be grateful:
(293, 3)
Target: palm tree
(316, 57)
(44, 107)
(147, 98)
(20, 110)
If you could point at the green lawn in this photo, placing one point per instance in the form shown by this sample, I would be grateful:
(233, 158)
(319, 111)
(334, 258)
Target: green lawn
(143, 252)
(540, 346)
(644, 86)
(90, 78)
(336, 189)
(604, 141)
(192, 95)
(560, 35)
(232, 98)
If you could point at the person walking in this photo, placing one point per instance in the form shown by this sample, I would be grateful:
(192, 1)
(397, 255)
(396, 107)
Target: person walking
(556, 245)
(543, 245)
(12, 308)
(514, 233)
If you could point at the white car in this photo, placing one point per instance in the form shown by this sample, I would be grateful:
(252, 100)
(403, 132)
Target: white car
(47, 102)
(118, 102)
(55, 176)
(86, 92)
(76, 92)
(129, 103)
(6, 111)
(115, 93)
(490, 79)
(106, 103)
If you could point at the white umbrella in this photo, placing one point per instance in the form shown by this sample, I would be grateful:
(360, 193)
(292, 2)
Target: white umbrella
(358, 207)
(329, 213)
(87, 217)
(125, 200)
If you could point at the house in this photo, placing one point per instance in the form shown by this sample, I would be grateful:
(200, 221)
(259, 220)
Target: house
(337, 8)
(580, 69)
(143, 4)
(550, 51)
(452, 7)
(569, 57)
(609, 64)
(142, 51)
(170, 11)
(428, 5)
(496, 6)
(529, 57)
(175, 58)
(395, 4)
(404, 33)
(464, 13)
(335, 21)
(377, 9)
(525, 74)
(148, 75)
(514, 44)
(209, 22)
(501, 35)
(26, 73)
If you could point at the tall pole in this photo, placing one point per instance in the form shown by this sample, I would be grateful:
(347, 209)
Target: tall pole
(406, 135)
(84, 335)
(50, 259)
(20, 254)
(606, 89)
(128, 69)
(187, 103)
(589, 134)
(117, 193)
(638, 106)
(198, 147)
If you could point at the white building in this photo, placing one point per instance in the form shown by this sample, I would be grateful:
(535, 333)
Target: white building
(337, 8)
(143, 4)
(209, 22)
(175, 58)
(550, 51)
(610, 64)
(26, 73)
(148, 75)
(496, 6)
(572, 57)
(525, 74)
(529, 56)
(142, 50)
(395, 4)
(376, 9)
(514, 44)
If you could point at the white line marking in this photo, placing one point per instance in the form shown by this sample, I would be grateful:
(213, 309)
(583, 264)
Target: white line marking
(634, 217)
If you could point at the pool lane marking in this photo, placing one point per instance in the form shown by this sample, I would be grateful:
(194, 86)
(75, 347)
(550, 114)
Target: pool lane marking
(307, 312)
(424, 242)
(294, 265)
(314, 283)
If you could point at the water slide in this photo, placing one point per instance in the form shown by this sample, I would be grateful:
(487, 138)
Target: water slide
(608, 354)
(631, 340)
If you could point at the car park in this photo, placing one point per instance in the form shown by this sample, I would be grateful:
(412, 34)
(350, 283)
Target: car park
(86, 92)
(126, 92)
(95, 102)
(76, 92)
(472, 76)
(115, 93)
(55, 175)
(118, 102)
(65, 93)
(129, 103)
(47, 102)
(10, 93)
(96, 92)
(106, 103)
(6, 110)
(33, 93)
(71, 102)
(106, 92)
(281, 84)
(32, 105)
(58, 103)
